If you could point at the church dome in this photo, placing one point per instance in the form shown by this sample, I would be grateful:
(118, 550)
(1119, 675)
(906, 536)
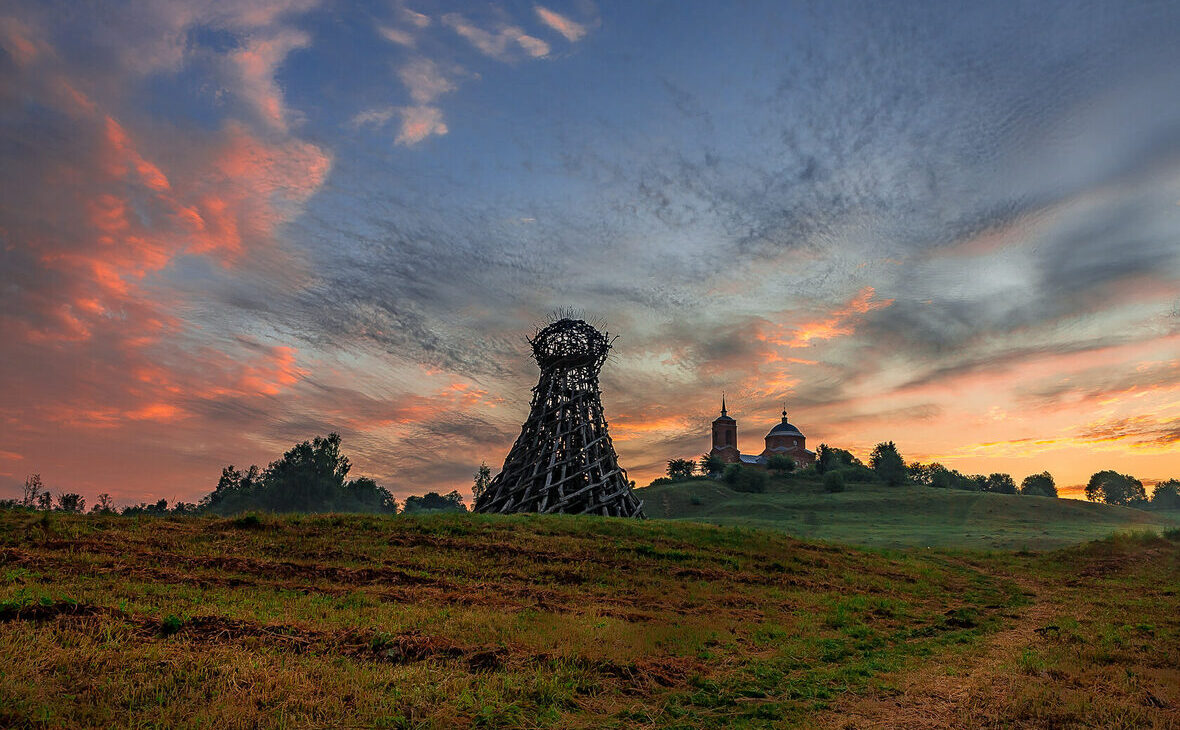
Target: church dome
(784, 429)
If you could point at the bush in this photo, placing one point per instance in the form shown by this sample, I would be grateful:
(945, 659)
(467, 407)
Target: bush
(746, 479)
(834, 481)
(780, 464)
(248, 522)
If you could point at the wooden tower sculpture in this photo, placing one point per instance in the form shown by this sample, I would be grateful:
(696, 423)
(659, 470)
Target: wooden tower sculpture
(563, 460)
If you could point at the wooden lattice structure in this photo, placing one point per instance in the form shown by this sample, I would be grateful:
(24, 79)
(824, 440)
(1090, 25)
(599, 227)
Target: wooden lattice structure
(563, 460)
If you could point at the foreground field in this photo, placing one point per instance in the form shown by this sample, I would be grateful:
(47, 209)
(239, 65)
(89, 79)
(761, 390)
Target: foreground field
(457, 620)
(905, 516)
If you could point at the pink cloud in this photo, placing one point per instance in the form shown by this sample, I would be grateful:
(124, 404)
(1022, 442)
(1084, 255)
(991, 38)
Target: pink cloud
(572, 31)
(498, 45)
(256, 63)
(418, 123)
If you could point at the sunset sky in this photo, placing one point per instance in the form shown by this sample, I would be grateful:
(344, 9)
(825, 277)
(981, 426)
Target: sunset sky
(229, 226)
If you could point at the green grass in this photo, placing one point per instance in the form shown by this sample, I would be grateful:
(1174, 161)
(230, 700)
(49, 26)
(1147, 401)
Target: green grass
(906, 516)
(527, 621)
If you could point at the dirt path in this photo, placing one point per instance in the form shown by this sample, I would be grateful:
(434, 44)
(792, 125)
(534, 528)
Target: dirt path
(940, 692)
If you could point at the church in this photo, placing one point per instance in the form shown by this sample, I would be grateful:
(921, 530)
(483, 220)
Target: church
(783, 439)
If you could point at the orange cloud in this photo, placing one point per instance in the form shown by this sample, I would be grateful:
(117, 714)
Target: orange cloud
(839, 322)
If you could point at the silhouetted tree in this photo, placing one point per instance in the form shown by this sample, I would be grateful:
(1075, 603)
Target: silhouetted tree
(310, 477)
(1113, 488)
(435, 502)
(1166, 495)
(482, 478)
(829, 457)
(45, 501)
(104, 506)
(33, 490)
(886, 461)
(1000, 483)
(711, 464)
(780, 464)
(160, 507)
(71, 502)
(365, 495)
(1039, 485)
(681, 468)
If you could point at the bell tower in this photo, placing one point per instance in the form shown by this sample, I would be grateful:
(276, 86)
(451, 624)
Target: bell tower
(725, 436)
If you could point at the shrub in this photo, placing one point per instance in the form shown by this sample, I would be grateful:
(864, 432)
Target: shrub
(780, 464)
(746, 479)
(248, 522)
(834, 481)
(171, 624)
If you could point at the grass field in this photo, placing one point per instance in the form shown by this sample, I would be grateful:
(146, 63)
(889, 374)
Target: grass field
(526, 621)
(905, 516)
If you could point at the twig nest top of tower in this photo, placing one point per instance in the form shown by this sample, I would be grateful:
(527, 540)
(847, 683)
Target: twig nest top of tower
(570, 343)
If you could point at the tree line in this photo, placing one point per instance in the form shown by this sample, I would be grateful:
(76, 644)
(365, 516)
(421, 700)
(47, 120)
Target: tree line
(311, 477)
(838, 467)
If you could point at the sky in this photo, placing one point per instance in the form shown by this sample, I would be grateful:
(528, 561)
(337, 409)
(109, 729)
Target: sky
(226, 227)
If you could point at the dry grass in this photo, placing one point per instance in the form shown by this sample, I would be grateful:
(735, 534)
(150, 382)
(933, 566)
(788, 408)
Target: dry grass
(459, 620)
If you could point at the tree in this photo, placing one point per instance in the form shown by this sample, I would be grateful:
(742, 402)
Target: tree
(939, 477)
(829, 457)
(435, 502)
(143, 508)
(33, 490)
(104, 506)
(365, 495)
(1113, 488)
(45, 501)
(310, 477)
(482, 478)
(1000, 483)
(780, 464)
(1039, 485)
(886, 461)
(711, 464)
(1166, 495)
(918, 473)
(71, 502)
(746, 479)
(834, 481)
(307, 478)
(681, 468)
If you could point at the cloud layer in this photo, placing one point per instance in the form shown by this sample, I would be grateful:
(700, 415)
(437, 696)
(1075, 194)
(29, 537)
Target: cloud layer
(225, 228)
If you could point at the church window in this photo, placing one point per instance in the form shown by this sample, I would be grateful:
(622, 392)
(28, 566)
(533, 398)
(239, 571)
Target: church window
(729, 438)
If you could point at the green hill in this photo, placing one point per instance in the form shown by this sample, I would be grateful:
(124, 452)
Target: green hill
(906, 516)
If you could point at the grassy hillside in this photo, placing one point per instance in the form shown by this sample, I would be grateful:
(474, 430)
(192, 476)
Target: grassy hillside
(870, 514)
(527, 621)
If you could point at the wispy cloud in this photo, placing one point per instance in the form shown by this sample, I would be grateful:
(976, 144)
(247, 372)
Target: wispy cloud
(500, 44)
(572, 31)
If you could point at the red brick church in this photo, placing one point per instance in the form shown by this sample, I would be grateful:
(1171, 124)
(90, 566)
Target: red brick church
(783, 439)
